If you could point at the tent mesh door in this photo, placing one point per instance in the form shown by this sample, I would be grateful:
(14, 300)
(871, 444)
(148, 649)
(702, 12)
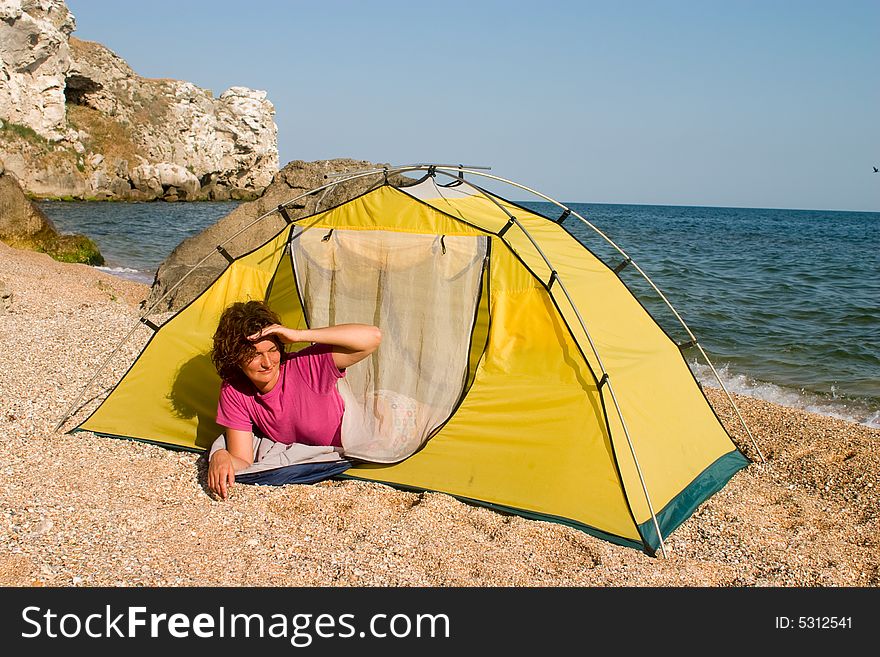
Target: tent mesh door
(422, 292)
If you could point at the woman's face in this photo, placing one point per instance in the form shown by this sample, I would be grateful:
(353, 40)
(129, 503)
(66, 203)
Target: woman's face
(262, 368)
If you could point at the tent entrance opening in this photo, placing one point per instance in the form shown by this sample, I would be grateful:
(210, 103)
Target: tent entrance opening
(422, 291)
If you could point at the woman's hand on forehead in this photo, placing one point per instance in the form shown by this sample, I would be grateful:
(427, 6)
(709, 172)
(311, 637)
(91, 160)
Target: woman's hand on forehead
(287, 335)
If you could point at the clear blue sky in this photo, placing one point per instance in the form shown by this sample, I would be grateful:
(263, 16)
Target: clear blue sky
(748, 104)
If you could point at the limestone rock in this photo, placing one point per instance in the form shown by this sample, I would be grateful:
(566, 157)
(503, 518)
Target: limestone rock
(76, 117)
(157, 178)
(23, 225)
(34, 61)
(293, 180)
(232, 137)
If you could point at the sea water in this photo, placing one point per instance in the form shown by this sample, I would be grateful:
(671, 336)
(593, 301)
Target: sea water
(786, 303)
(135, 238)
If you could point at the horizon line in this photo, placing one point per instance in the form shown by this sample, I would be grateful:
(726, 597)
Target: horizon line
(684, 205)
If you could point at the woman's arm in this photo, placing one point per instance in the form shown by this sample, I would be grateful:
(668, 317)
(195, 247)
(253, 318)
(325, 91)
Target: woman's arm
(349, 343)
(238, 455)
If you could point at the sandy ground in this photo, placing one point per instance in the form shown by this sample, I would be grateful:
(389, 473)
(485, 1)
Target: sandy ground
(82, 510)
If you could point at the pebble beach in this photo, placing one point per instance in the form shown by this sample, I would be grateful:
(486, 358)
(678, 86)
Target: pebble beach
(83, 510)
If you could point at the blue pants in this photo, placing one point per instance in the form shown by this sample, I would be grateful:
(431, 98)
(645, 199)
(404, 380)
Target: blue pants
(304, 473)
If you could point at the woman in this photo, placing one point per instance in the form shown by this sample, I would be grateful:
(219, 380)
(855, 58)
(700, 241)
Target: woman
(287, 397)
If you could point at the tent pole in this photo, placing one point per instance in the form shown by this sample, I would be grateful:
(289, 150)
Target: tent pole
(605, 375)
(730, 399)
(632, 450)
(149, 310)
(412, 167)
(97, 373)
(643, 274)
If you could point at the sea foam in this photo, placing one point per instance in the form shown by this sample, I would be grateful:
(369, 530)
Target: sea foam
(841, 408)
(129, 274)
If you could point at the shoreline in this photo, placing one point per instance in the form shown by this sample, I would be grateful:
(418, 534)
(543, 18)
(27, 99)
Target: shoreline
(82, 510)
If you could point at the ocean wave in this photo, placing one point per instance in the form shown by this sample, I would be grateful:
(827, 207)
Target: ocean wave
(129, 274)
(852, 410)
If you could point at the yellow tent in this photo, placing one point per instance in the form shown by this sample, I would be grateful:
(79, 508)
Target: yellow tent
(517, 371)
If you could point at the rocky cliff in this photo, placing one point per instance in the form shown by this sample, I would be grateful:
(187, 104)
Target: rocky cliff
(76, 121)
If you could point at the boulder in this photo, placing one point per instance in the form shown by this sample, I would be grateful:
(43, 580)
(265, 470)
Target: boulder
(24, 226)
(120, 188)
(158, 178)
(57, 181)
(293, 180)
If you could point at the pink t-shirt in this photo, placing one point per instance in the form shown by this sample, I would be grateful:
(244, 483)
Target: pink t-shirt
(303, 407)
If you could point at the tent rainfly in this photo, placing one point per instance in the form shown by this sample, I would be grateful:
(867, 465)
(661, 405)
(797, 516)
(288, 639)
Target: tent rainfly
(517, 371)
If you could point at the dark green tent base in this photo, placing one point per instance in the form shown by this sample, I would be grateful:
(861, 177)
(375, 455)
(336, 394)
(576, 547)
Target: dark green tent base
(709, 482)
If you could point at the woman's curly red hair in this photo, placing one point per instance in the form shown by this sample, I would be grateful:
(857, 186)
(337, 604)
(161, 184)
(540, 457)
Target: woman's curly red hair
(231, 347)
